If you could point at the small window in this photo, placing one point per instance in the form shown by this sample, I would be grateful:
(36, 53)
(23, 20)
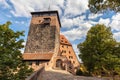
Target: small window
(61, 40)
(37, 62)
(69, 52)
(67, 46)
(73, 62)
(62, 46)
(64, 51)
(47, 21)
(70, 57)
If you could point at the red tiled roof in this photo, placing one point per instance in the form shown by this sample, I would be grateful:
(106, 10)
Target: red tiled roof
(37, 56)
(63, 40)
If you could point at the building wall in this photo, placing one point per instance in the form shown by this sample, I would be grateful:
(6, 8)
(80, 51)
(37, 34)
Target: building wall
(67, 50)
(36, 64)
(43, 35)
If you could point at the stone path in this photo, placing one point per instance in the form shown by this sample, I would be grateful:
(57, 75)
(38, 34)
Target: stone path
(63, 75)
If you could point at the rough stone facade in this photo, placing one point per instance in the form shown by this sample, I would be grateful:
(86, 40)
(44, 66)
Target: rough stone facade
(43, 33)
(41, 38)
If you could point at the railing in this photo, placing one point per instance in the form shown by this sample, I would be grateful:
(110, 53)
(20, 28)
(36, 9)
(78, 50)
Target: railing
(35, 75)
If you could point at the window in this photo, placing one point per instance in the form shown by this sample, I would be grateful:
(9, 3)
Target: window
(73, 62)
(47, 21)
(40, 21)
(62, 46)
(64, 51)
(69, 52)
(61, 40)
(67, 46)
(70, 57)
(37, 62)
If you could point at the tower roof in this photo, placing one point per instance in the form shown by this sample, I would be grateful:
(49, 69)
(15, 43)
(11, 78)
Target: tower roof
(47, 13)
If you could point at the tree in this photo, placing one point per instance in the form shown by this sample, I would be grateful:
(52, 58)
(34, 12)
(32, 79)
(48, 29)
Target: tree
(99, 52)
(11, 65)
(96, 6)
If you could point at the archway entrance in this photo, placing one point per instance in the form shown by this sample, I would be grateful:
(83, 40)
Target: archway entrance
(59, 63)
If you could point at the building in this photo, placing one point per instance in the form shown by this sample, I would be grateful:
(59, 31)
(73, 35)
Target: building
(46, 46)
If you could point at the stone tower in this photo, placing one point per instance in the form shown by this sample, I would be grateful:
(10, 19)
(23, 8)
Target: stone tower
(44, 33)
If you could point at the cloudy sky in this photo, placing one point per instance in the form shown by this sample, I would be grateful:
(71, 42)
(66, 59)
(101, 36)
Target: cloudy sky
(75, 17)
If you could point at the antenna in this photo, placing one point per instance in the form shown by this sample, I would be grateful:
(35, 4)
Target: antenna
(49, 7)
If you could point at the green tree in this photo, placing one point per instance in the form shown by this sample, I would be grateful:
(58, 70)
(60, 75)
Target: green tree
(103, 5)
(100, 51)
(11, 65)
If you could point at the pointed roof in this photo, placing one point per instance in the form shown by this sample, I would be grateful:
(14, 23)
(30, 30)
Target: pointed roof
(63, 40)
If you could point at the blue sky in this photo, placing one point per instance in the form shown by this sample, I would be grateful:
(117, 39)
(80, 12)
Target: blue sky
(75, 17)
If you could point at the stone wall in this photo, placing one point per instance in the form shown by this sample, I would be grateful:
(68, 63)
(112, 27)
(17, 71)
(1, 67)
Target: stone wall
(41, 38)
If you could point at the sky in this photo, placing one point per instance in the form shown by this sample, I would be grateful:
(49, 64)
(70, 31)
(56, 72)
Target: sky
(75, 17)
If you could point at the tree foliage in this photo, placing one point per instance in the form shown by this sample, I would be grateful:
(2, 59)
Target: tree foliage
(11, 65)
(103, 5)
(100, 52)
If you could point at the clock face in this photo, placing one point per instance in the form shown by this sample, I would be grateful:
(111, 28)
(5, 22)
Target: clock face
(41, 38)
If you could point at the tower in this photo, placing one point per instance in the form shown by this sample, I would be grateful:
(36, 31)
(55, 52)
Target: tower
(44, 32)
(43, 38)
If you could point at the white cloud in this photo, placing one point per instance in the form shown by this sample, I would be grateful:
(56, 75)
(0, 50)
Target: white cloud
(76, 51)
(22, 50)
(77, 33)
(24, 7)
(21, 8)
(9, 16)
(117, 36)
(4, 4)
(76, 7)
(115, 24)
(67, 23)
(19, 22)
(104, 21)
(93, 16)
(71, 22)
